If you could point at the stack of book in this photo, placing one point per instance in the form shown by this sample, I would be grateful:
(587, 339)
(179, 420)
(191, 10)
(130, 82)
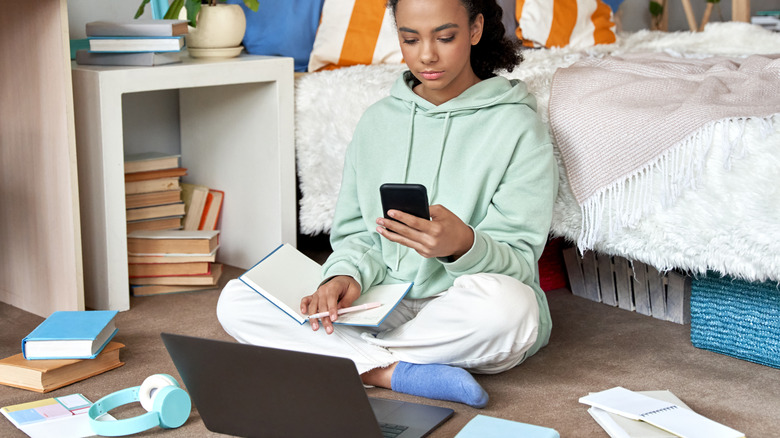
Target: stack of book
(67, 347)
(153, 191)
(769, 20)
(171, 261)
(133, 42)
(172, 235)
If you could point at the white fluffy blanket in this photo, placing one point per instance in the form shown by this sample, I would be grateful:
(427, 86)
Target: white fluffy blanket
(729, 222)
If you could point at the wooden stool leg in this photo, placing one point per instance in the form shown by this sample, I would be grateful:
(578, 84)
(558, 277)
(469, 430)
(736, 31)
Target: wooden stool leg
(689, 15)
(740, 10)
(706, 18)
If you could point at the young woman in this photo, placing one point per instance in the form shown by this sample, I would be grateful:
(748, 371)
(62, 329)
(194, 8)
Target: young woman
(475, 141)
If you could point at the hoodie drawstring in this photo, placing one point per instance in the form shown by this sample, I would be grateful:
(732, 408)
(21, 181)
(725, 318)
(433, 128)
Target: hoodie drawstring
(409, 142)
(406, 173)
(434, 184)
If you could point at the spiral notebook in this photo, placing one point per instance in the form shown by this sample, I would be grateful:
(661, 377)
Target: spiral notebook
(667, 416)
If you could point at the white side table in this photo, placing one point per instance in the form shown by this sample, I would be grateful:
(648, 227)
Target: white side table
(236, 119)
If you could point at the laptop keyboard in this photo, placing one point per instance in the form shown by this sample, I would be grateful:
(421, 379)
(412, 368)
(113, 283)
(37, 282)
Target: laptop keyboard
(391, 430)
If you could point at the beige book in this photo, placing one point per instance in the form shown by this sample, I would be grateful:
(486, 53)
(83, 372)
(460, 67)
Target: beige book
(152, 198)
(172, 242)
(146, 161)
(159, 289)
(152, 185)
(155, 211)
(157, 224)
(167, 269)
(50, 374)
(169, 258)
(209, 279)
(194, 198)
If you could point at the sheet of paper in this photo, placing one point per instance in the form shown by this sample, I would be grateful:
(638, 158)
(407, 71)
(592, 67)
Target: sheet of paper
(62, 417)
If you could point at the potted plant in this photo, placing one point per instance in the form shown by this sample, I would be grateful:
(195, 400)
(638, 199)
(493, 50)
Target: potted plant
(216, 28)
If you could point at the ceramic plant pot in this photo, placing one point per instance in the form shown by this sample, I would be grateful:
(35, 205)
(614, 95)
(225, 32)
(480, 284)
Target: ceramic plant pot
(219, 31)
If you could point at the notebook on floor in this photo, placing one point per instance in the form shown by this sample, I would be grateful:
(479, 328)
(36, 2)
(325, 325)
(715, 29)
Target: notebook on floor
(246, 390)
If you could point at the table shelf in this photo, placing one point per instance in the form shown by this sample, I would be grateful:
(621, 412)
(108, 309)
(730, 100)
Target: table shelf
(236, 130)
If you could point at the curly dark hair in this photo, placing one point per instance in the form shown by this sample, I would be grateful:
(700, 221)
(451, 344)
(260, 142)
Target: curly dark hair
(494, 51)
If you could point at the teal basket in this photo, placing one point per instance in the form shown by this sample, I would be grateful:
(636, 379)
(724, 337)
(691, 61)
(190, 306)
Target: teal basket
(736, 318)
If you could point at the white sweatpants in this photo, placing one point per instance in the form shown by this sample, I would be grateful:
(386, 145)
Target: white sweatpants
(484, 323)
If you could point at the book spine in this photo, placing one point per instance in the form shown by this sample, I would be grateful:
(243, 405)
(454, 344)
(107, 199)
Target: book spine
(136, 29)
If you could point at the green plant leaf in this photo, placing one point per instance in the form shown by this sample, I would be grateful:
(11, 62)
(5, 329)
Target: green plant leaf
(141, 8)
(173, 10)
(713, 1)
(193, 7)
(656, 9)
(255, 4)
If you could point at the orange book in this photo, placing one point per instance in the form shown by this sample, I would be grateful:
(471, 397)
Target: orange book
(212, 209)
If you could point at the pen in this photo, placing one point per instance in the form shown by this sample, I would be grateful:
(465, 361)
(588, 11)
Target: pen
(365, 306)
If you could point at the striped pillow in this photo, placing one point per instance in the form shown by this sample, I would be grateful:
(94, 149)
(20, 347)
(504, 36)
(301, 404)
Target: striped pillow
(560, 23)
(354, 32)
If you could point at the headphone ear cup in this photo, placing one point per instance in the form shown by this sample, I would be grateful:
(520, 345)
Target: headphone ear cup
(173, 406)
(151, 386)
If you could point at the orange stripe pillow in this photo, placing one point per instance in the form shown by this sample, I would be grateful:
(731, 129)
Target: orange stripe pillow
(562, 23)
(354, 32)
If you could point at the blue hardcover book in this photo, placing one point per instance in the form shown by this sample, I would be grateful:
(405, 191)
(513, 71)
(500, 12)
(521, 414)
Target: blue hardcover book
(71, 335)
(483, 426)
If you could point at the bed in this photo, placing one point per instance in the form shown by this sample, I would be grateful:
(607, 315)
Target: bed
(722, 212)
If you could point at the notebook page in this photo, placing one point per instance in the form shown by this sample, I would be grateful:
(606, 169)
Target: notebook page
(624, 402)
(689, 424)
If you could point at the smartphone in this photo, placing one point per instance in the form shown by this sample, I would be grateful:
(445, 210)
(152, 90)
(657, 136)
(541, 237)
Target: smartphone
(409, 198)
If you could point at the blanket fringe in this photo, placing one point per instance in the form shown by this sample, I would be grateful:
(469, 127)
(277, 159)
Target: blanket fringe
(628, 199)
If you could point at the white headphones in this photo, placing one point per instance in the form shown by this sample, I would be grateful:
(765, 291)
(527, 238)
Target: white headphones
(167, 404)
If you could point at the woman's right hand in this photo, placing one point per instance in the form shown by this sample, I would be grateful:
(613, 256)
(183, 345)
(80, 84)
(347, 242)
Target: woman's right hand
(338, 292)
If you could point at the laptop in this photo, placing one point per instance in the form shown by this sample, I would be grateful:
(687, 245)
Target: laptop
(249, 391)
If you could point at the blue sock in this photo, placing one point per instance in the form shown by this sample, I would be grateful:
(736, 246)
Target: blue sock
(439, 382)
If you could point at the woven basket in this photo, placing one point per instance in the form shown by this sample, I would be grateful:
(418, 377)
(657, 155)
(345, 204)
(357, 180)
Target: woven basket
(736, 318)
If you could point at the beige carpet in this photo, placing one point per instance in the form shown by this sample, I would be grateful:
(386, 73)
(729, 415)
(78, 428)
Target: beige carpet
(593, 347)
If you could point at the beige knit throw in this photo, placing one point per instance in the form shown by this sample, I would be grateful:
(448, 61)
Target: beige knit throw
(634, 131)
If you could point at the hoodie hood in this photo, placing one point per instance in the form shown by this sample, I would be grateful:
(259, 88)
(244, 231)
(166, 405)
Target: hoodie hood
(489, 92)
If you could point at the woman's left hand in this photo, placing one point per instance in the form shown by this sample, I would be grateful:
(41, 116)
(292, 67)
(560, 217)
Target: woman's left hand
(445, 235)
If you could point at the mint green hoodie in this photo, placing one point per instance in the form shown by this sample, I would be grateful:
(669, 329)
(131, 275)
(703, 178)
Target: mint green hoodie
(484, 155)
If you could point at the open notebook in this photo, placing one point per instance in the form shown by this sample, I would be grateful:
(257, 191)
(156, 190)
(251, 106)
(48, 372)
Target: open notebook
(286, 275)
(667, 416)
